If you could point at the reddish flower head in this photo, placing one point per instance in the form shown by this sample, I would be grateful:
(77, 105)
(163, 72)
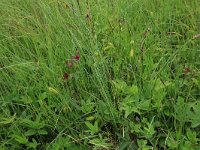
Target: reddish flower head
(70, 64)
(187, 70)
(77, 57)
(66, 76)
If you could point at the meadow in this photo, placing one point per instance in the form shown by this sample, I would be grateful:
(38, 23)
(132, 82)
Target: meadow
(100, 74)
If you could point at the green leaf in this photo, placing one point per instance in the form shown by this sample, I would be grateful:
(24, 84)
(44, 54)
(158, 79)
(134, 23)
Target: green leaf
(191, 135)
(33, 144)
(61, 143)
(89, 125)
(7, 120)
(142, 144)
(133, 90)
(32, 124)
(135, 127)
(182, 110)
(42, 132)
(42, 96)
(158, 93)
(100, 143)
(124, 145)
(129, 105)
(93, 128)
(30, 132)
(20, 139)
(96, 126)
(159, 85)
(108, 110)
(188, 146)
(120, 85)
(90, 118)
(195, 116)
(196, 82)
(129, 109)
(149, 131)
(144, 105)
(172, 143)
(87, 106)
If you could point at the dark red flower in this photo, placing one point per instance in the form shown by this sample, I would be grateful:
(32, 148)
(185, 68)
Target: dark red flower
(187, 70)
(66, 76)
(77, 57)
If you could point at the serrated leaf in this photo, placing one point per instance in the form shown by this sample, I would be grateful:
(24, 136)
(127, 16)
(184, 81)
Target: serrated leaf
(159, 85)
(196, 82)
(149, 131)
(30, 132)
(144, 105)
(53, 90)
(191, 135)
(33, 124)
(89, 125)
(42, 96)
(20, 139)
(182, 110)
(172, 143)
(7, 120)
(93, 128)
(33, 144)
(119, 85)
(135, 127)
(133, 90)
(195, 116)
(124, 145)
(42, 132)
(100, 143)
(142, 144)
(129, 105)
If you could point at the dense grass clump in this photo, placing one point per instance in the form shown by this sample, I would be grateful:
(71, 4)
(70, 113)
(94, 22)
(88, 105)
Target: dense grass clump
(116, 74)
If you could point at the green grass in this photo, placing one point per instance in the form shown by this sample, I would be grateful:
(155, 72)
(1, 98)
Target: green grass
(136, 85)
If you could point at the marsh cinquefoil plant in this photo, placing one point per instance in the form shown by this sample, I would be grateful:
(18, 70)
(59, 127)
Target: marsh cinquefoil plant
(133, 83)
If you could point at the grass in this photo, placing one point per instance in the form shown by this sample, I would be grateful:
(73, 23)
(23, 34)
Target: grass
(135, 86)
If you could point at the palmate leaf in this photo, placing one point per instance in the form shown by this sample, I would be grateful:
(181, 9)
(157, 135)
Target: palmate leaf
(120, 85)
(100, 143)
(93, 128)
(129, 105)
(158, 92)
(20, 139)
(129, 109)
(30, 132)
(172, 142)
(191, 135)
(33, 124)
(133, 90)
(182, 110)
(187, 112)
(195, 116)
(144, 104)
(142, 144)
(42, 132)
(132, 104)
(149, 131)
(108, 110)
